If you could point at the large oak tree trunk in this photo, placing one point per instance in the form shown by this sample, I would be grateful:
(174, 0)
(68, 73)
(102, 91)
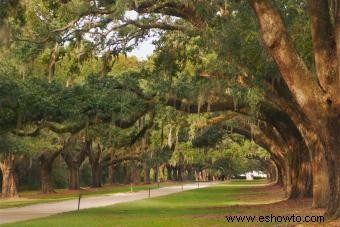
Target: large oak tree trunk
(287, 180)
(321, 107)
(300, 173)
(317, 152)
(74, 156)
(46, 179)
(271, 140)
(321, 190)
(333, 161)
(293, 141)
(9, 177)
(46, 160)
(73, 170)
(279, 180)
(319, 167)
(96, 171)
(94, 152)
(272, 172)
(74, 183)
(333, 209)
(305, 177)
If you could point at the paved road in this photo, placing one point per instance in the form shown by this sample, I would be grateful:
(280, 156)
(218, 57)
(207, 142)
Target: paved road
(16, 214)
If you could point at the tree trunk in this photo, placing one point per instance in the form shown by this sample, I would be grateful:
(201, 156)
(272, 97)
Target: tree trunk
(155, 174)
(320, 170)
(96, 175)
(293, 69)
(275, 176)
(94, 152)
(135, 174)
(333, 209)
(316, 148)
(190, 173)
(180, 168)
(46, 160)
(305, 179)
(74, 178)
(147, 175)
(127, 174)
(279, 180)
(321, 107)
(284, 178)
(272, 172)
(110, 173)
(333, 161)
(324, 44)
(162, 173)
(174, 174)
(169, 172)
(300, 173)
(74, 157)
(205, 175)
(46, 179)
(9, 177)
(180, 173)
(321, 191)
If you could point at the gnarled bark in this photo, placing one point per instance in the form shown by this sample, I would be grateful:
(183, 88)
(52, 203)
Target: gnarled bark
(46, 160)
(94, 151)
(293, 69)
(321, 108)
(73, 154)
(9, 177)
(74, 183)
(333, 161)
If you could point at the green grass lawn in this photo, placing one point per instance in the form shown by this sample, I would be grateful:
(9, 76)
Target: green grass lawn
(34, 197)
(200, 207)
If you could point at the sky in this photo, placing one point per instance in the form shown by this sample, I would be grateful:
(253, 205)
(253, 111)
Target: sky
(144, 49)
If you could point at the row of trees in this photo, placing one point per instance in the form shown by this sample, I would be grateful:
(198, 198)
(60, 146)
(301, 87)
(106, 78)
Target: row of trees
(297, 72)
(107, 122)
(274, 80)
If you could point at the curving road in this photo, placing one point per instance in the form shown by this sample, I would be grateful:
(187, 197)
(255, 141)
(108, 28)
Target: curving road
(16, 214)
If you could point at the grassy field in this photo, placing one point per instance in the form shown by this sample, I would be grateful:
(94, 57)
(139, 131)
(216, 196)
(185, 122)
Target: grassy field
(34, 197)
(199, 207)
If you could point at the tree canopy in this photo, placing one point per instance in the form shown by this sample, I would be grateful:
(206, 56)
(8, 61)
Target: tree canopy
(224, 72)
